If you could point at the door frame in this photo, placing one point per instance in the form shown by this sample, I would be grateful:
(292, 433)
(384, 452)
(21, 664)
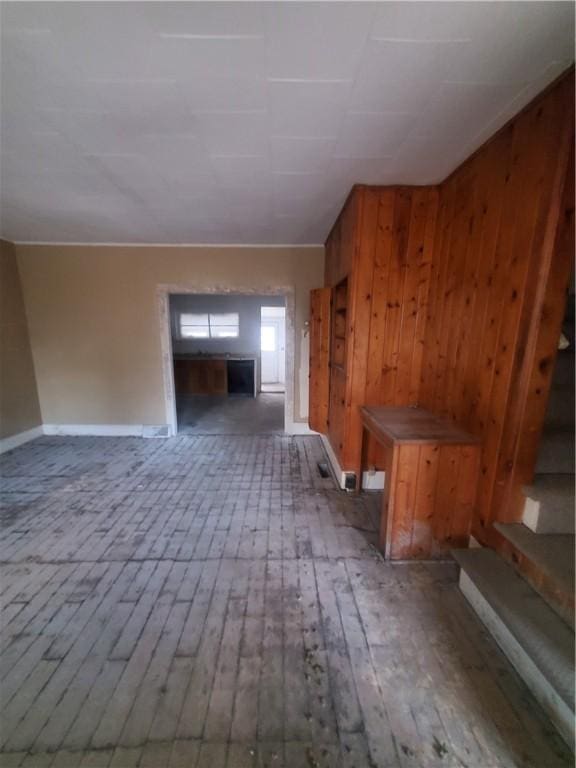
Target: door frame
(163, 293)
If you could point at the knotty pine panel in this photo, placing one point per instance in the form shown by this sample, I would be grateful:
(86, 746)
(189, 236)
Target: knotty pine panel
(319, 358)
(433, 489)
(382, 243)
(495, 248)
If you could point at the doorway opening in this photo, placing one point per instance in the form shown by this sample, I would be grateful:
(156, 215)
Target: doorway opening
(273, 348)
(223, 358)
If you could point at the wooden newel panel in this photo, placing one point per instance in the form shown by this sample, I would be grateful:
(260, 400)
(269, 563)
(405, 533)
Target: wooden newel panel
(319, 388)
(431, 481)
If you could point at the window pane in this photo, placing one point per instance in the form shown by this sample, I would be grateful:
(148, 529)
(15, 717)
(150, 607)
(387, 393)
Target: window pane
(194, 332)
(224, 332)
(229, 318)
(193, 320)
(268, 338)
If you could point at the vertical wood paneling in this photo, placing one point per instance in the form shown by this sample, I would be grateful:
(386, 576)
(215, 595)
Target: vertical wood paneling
(380, 288)
(429, 199)
(446, 491)
(359, 323)
(430, 492)
(484, 308)
(400, 547)
(457, 293)
(466, 494)
(337, 410)
(425, 501)
(319, 358)
(537, 348)
(387, 256)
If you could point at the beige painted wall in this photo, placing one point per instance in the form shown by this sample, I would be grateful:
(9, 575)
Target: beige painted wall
(94, 319)
(19, 406)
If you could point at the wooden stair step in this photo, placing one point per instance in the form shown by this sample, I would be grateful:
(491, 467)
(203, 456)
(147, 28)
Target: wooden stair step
(546, 560)
(538, 643)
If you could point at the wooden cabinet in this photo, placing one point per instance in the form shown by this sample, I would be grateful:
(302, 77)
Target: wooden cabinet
(200, 377)
(431, 470)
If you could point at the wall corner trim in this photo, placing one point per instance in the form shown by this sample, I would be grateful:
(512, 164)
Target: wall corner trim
(9, 443)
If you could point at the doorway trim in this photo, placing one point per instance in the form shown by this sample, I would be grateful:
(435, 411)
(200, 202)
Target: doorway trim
(164, 291)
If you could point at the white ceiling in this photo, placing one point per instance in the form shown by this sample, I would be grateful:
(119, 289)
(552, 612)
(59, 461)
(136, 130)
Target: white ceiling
(249, 122)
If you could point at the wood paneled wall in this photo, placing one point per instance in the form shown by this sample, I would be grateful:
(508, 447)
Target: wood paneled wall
(497, 244)
(383, 243)
(456, 295)
(319, 387)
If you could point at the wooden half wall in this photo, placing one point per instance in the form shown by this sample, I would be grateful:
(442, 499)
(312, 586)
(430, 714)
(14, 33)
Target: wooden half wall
(456, 295)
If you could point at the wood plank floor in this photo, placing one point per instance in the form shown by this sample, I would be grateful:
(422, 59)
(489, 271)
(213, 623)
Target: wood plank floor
(212, 602)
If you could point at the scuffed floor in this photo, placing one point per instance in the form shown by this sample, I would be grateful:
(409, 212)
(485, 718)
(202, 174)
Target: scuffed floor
(230, 415)
(212, 601)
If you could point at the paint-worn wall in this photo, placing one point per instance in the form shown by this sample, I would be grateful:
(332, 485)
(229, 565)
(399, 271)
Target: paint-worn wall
(19, 406)
(94, 319)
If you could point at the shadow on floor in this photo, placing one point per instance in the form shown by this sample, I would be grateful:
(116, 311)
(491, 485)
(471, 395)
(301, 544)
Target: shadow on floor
(230, 415)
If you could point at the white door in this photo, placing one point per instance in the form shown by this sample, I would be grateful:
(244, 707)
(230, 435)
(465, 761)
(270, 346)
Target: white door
(269, 352)
(272, 345)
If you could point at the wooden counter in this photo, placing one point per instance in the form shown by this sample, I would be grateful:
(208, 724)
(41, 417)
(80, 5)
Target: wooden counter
(431, 473)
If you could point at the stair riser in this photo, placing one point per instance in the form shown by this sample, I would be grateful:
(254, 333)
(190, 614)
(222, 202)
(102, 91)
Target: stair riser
(559, 599)
(542, 518)
(558, 711)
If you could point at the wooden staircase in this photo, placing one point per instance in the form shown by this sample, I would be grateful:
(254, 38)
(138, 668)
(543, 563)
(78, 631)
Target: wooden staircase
(537, 641)
(525, 594)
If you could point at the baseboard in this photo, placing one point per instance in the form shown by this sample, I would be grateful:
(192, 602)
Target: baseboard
(106, 430)
(339, 474)
(371, 480)
(9, 443)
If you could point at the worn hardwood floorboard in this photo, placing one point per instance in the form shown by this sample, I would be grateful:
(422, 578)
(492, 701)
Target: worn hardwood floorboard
(213, 601)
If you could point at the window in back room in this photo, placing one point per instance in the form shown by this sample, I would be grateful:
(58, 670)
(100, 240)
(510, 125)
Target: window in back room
(209, 326)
